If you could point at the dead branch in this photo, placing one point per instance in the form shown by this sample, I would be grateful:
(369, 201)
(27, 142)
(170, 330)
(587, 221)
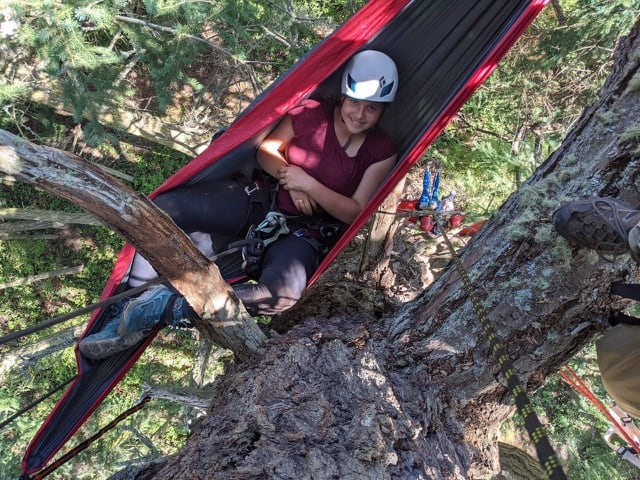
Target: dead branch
(133, 216)
(42, 276)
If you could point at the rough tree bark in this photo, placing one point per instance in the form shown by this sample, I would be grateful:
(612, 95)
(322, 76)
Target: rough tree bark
(414, 395)
(376, 252)
(173, 254)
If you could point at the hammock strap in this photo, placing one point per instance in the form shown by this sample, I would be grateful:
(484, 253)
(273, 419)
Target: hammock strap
(546, 455)
(34, 403)
(574, 380)
(84, 445)
(68, 316)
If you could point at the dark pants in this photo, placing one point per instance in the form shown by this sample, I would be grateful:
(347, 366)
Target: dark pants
(223, 208)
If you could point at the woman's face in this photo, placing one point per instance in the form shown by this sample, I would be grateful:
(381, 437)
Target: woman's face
(360, 115)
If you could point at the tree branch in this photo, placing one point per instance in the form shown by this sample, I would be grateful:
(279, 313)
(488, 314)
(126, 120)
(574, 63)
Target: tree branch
(173, 31)
(42, 276)
(133, 216)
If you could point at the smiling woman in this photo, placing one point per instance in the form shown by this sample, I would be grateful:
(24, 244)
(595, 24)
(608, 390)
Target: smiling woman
(322, 183)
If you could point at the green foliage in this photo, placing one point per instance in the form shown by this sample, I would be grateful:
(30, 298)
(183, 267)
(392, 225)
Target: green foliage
(576, 427)
(539, 88)
(151, 170)
(103, 53)
(107, 51)
(157, 430)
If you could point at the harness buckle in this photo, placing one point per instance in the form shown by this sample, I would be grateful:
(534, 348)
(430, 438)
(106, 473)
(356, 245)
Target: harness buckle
(251, 189)
(328, 231)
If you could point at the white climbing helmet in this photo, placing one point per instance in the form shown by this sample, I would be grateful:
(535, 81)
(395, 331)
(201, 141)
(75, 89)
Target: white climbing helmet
(370, 75)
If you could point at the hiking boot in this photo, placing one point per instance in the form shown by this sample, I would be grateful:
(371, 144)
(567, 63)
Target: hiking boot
(602, 224)
(182, 315)
(155, 307)
(106, 342)
(146, 312)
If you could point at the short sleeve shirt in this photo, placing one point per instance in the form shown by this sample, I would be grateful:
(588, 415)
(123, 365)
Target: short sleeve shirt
(315, 148)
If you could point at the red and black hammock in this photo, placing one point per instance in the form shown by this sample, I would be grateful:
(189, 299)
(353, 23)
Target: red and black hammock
(443, 49)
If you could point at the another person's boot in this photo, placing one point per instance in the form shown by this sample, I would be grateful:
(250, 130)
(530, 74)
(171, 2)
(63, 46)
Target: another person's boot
(607, 225)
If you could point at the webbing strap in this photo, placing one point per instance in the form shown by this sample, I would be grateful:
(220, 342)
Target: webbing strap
(76, 313)
(87, 443)
(626, 290)
(546, 455)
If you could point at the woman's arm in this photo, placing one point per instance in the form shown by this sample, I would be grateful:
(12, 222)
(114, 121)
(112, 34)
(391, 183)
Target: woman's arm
(271, 152)
(344, 208)
(271, 156)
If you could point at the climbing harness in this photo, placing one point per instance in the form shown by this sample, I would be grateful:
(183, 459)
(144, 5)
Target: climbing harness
(546, 455)
(317, 231)
(87, 443)
(254, 244)
(270, 229)
(623, 425)
(624, 428)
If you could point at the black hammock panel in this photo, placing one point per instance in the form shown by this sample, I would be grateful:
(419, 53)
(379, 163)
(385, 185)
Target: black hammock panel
(443, 50)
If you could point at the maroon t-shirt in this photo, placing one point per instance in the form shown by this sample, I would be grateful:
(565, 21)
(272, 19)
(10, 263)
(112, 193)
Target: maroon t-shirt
(315, 148)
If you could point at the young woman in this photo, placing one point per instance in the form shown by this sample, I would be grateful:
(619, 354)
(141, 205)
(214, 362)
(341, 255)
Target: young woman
(328, 158)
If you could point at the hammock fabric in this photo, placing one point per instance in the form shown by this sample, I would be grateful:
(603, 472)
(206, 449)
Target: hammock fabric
(443, 50)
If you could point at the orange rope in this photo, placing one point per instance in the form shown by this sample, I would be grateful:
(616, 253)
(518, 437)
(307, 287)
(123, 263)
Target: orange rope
(576, 382)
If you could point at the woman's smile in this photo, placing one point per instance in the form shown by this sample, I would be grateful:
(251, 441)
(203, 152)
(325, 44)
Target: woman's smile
(360, 115)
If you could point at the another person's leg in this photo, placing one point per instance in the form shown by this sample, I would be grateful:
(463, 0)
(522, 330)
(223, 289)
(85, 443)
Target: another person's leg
(607, 225)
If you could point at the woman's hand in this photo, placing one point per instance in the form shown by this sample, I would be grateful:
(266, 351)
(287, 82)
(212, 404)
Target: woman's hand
(296, 181)
(292, 177)
(303, 202)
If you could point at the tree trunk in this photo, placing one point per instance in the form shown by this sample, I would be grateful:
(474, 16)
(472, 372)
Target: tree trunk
(377, 249)
(130, 214)
(414, 395)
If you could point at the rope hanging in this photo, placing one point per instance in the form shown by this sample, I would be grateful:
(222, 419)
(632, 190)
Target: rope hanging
(68, 316)
(84, 445)
(34, 403)
(574, 380)
(546, 455)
